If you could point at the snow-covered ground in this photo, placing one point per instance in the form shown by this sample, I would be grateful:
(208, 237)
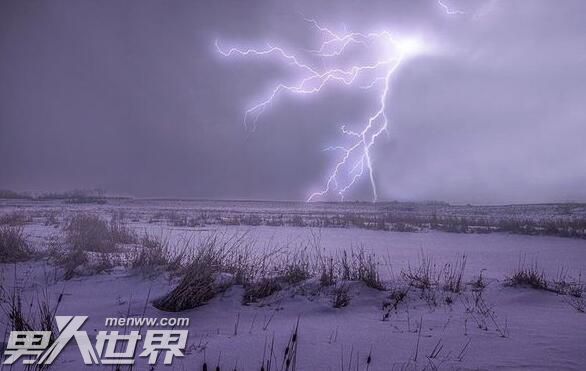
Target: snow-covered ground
(495, 327)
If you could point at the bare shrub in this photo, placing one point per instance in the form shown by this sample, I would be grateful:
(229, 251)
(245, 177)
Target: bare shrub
(341, 296)
(13, 245)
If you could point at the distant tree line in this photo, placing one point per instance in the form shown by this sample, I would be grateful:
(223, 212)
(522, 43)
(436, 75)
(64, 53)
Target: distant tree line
(75, 196)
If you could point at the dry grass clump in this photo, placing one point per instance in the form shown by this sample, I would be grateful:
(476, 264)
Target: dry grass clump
(566, 285)
(280, 270)
(427, 275)
(261, 273)
(77, 262)
(359, 266)
(195, 289)
(15, 219)
(533, 277)
(398, 295)
(13, 245)
(327, 277)
(70, 260)
(154, 253)
(528, 276)
(578, 303)
(479, 283)
(91, 233)
(436, 282)
(120, 233)
(367, 270)
(239, 257)
(52, 219)
(30, 317)
(201, 283)
(341, 296)
(296, 269)
(572, 288)
(453, 275)
(91, 245)
(261, 289)
(213, 266)
(424, 276)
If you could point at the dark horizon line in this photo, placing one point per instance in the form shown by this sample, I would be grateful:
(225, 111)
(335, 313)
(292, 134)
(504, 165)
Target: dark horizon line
(38, 196)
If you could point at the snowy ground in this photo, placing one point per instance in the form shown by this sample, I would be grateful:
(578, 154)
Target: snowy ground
(497, 327)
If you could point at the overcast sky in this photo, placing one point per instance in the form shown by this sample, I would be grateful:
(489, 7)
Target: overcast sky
(132, 97)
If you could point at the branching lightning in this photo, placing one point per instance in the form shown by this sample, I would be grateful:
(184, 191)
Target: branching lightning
(355, 160)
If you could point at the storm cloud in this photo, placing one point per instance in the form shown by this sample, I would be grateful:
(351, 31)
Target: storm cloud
(133, 98)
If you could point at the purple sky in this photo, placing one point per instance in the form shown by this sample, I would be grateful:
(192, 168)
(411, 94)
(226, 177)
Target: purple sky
(130, 96)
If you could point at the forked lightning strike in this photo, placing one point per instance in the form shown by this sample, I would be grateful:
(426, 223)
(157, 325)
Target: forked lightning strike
(355, 159)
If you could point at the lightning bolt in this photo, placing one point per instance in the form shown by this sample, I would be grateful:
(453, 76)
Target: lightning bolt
(448, 10)
(355, 159)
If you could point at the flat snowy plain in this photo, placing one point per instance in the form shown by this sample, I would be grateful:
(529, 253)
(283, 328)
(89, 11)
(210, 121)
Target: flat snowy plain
(503, 327)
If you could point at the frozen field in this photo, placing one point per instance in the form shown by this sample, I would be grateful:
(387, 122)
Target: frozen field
(400, 325)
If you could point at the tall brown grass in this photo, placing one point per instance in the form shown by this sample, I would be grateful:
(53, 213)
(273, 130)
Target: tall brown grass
(13, 245)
